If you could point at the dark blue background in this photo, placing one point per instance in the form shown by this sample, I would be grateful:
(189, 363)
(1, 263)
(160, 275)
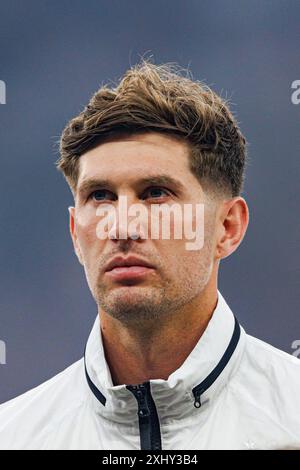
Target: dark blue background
(53, 56)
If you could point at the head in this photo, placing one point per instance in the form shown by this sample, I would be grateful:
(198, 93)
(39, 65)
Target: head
(156, 138)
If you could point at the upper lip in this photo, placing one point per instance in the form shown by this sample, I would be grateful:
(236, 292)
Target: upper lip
(129, 261)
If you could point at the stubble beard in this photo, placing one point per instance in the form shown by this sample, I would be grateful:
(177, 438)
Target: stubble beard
(146, 307)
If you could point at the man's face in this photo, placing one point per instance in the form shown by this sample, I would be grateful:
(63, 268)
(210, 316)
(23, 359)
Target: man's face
(179, 275)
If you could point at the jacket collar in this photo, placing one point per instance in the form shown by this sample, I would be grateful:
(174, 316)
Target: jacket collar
(193, 385)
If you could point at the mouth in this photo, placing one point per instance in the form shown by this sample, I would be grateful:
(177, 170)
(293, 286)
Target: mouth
(128, 268)
(128, 272)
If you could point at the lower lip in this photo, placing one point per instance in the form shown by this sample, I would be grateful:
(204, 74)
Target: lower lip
(128, 272)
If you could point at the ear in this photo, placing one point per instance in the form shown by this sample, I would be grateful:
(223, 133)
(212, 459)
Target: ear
(72, 227)
(232, 222)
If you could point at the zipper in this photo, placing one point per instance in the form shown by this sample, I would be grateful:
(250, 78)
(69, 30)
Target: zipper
(148, 418)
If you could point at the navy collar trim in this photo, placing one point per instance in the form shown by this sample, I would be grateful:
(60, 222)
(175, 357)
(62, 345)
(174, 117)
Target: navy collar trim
(212, 377)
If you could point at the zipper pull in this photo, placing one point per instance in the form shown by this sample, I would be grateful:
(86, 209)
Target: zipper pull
(197, 395)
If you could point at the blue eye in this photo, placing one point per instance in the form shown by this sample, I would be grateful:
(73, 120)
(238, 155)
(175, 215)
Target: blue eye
(104, 194)
(99, 194)
(155, 192)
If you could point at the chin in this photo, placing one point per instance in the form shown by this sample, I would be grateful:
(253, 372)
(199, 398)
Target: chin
(131, 294)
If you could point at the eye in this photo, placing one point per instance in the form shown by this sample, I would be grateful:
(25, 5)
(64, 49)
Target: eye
(155, 192)
(99, 195)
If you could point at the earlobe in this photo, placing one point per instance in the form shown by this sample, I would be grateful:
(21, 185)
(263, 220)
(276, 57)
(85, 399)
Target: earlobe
(71, 219)
(72, 229)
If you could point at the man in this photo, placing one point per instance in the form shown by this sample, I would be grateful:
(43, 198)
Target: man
(167, 365)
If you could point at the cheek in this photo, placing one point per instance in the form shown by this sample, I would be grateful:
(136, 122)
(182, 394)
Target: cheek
(188, 257)
(188, 223)
(174, 256)
(86, 225)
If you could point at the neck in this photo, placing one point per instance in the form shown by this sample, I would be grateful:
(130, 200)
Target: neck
(135, 357)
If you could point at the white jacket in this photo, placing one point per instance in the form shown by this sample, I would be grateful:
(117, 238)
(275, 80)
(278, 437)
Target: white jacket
(249, 394)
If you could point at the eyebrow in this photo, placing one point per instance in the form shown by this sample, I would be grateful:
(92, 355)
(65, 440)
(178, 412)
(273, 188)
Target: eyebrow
(89, 184)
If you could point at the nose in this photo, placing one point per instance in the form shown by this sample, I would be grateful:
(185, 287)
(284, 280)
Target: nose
(129, 220)
(121, 231)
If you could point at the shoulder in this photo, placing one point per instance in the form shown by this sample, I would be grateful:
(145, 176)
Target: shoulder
(34, 413)
(266, 387)
(277, 366)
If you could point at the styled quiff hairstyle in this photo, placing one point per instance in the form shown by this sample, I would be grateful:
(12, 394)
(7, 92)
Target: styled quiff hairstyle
(157, 98)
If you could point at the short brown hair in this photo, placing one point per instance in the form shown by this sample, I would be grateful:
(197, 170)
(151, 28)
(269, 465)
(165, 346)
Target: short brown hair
(157, 98)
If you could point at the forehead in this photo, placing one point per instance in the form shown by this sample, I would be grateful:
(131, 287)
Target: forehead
(136, 156)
